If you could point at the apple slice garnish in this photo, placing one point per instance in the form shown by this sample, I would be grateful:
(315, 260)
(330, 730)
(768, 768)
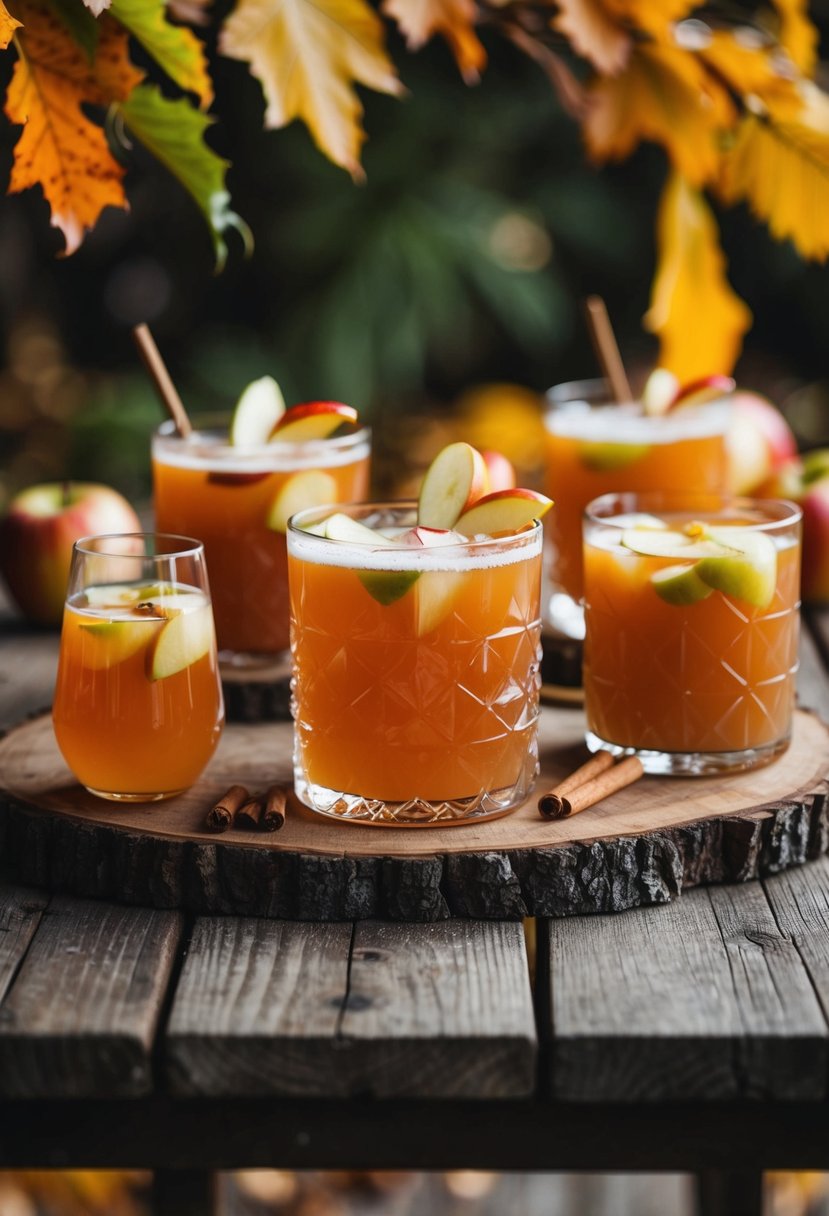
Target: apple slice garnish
(751, 576)
(384, 586)
(108, 643)
(257, 411)
(661, 388)
(217, 478)
(680, 585)
(607, 457)
(681, 546)
(121, 595)
(703, 390)
(503, 511)
(500, 470)
(312, 420)
(456, 478)
(181, 642)
(308, 488)
(434, 596)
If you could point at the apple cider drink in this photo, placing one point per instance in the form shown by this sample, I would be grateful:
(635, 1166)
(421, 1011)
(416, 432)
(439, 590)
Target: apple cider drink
(416, 663)
(235, 491)
(595, 447)
(691, 613)
(138, 705)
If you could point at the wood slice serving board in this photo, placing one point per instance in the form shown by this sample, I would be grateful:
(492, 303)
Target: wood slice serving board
(641, 846)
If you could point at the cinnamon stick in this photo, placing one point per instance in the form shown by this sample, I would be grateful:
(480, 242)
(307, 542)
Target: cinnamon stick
(220, 817)
(607, 350)
(273, 815)
(249, 814)
(594, 767)
(157, 368)
(560, 806)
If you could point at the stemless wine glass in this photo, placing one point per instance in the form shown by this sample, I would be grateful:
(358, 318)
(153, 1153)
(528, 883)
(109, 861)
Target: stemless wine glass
(138, 705)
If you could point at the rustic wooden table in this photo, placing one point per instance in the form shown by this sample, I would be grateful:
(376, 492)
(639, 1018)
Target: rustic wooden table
(692, 1037)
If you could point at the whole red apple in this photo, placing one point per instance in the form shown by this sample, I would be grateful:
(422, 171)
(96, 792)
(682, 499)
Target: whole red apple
(37, 534)
(758, 442)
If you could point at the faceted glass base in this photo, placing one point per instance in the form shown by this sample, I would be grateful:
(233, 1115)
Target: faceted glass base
(111, 797)
(694, 764)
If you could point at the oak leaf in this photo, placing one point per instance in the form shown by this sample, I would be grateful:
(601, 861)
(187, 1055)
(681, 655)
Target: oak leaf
(175, 49)
(454, 19)
(308, 56)
(594, 34)
(8, 24)
(665, 95)
(779, 165)
(699, 318)
(60, 149)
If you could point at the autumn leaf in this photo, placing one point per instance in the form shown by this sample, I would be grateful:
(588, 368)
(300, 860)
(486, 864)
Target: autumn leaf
(175, 49)
(8, 24)
(780, 166)
(594, 34)
(308, 56)
(665, 95)
(797, 35)
(749, 68)
(454, 19)
(653, 16)
(60, 149)
(173, 131)
(694, 310)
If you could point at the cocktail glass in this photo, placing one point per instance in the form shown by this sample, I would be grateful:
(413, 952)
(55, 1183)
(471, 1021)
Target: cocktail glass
(138, 705)
(237, 501)
(690, 654)
(595, 446)
(416, 684)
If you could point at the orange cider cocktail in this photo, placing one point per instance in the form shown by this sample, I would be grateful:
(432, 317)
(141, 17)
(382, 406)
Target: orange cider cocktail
(594, 447)
(237, 498)
(416, 656)
(691, 613)
(138, 705)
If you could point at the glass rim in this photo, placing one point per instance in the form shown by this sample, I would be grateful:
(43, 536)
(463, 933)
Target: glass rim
(215, 427)
(596, 393)
(296, 528)
(190, 546)
(782, 512)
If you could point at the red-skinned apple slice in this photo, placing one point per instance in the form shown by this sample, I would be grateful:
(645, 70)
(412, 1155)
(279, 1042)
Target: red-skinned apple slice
(308, 488)
(503, 511)
(500, 470)
(257, 411)
(456, 478)
(312, 420)
(698, 392)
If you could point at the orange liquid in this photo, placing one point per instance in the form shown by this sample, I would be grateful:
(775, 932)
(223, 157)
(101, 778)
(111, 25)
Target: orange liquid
(121, 732)
(385, 714)
(246, 560)
(714, 676)
(694, 464)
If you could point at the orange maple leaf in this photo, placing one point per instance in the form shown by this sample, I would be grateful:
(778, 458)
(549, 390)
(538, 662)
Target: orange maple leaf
(308, 55)
(60, 149)
(699, 318)
(594, 34)
(664, 95)
(454, 19)
(654, 16)
(797, 35)
(8, 24)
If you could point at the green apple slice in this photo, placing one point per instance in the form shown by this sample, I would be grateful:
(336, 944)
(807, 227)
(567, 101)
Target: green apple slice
(653, 542)
(181, 642)
(750, 574)
(308, 488)
(608, 457)
(108, 643)
(680, 585)
(121, 595)
(257, 412)
(384, 586)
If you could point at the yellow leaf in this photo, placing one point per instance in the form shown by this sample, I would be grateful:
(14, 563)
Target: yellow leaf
(653, 16)
(797, 35)
(750, 68)
(308, 55)
(59, 148)
(8, 24)
(779, 164)
(593, 34)
(698, 317)
(665, 95)
(454, 19)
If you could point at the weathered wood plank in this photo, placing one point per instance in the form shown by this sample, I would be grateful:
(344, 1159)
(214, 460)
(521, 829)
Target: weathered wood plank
(800, 903)
(413, 1010)
(20, 913)
(80, 1018)
(702, 999)
(812, 681)
(28, 663)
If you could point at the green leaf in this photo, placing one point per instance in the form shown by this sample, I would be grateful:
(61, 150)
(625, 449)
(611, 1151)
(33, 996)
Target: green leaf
(173, 131)
(175, 49)
(80, 23)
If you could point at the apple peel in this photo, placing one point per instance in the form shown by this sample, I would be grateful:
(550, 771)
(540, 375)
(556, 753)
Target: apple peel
(308, 488)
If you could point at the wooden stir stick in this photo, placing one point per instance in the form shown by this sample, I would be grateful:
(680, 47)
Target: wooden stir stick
(157, 368)
(607, 349)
